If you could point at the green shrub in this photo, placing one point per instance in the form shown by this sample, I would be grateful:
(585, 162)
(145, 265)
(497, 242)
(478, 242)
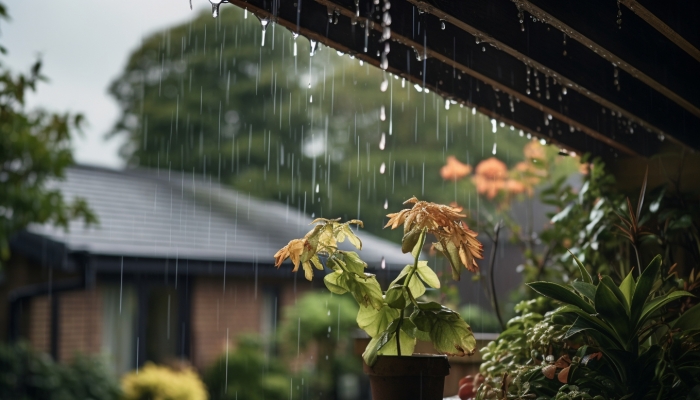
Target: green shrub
(26, 374)
(156, 382)
(246, 374)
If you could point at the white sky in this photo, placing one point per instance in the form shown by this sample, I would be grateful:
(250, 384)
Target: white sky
(84, 45)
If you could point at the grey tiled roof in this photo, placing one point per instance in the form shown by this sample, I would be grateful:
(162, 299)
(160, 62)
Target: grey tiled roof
(156, 214)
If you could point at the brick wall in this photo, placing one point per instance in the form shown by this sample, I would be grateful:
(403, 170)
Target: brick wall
(239, 310)
(39, 332)
(80, 323)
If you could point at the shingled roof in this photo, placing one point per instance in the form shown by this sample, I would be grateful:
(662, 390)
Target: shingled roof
(151, 214)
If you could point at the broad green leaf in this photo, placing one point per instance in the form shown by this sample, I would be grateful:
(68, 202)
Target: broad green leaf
(352, 238)
(419, 244)
(627, 287)
(408, 343)
(561, 293)
(353, 263)
(657, 303)
(335, 283)
(374, 321)
(366, 290)
(643, 288)
(689, 320)
(428, 275)
(410, 239)
(415, 285)
(612, 310)
(370, 353)
(396, 297)
(607, 281)
(334, 264)
(585, 288)
(430, 305)
(449, 333)
(582, 270)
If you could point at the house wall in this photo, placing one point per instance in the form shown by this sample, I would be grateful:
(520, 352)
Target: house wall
(80, 323)
(39, 329)
(237, 311)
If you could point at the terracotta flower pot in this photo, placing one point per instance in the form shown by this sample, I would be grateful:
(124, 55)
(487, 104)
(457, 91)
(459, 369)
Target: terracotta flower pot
(418, 377)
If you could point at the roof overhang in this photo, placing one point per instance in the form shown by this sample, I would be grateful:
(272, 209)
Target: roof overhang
(568, 73)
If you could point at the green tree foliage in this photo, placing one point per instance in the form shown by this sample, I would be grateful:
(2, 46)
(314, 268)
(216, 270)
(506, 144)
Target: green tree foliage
(207, 97)
(34, 149)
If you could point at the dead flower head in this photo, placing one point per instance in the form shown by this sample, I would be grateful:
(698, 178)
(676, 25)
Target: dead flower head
(455, 239)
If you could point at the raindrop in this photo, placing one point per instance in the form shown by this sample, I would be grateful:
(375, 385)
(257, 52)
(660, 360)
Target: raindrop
(543, 142)
(549, 117)
(493, 151)
(311, 98)
(493, 126)
(382, 142)
(317, 188)
(473, 110)
(264, 22)
(386, 205)
(418, 88)
(340, 53)
(563, 91)
(483, 48)
(384, 85)
(442, 25)
(382, 114)
(313, 45)
(521, 133)
(382, 168)
(245, 14)
(661, 137)
(215, 7)
(447, 104)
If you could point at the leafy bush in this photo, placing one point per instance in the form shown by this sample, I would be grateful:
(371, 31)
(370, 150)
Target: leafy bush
(155, 382)
(607, 341)
(26, 374)
(246, 374)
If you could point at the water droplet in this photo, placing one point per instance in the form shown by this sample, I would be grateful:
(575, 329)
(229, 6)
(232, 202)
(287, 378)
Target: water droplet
(382, 113)
(384, 85)
(549, 117)
(493, 125)
(447, 104)
(418, 88)
(383, 263)
(483, 48)
(382, 142)
(473, 110)
(317, 188)
(245, 14)
(382, 168)
(311, 98)
(340, 53)
(329, 314)
(521, 133)
(442, 25)
(215, 7)
(493, 151)
(313, 47)
(543, 142)
(264, 22)
(563, 91)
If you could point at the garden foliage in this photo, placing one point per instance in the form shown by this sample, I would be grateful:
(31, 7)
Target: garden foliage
(157, 382)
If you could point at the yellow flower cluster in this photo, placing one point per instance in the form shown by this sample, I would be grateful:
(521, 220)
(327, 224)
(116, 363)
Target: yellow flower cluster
(155, 382)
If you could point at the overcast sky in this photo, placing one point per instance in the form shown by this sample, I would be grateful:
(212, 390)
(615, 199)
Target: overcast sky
(84, 45)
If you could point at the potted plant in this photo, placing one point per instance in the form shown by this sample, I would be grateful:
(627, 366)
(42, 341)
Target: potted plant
(395, 318)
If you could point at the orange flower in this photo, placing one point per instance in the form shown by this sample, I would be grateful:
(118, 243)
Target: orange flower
(445, 223)
(454, 169)
(293, 250)
(514, 186)
(490, 176)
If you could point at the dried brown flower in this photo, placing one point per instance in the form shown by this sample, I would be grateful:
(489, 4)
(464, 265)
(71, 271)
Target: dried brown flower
(455, 239)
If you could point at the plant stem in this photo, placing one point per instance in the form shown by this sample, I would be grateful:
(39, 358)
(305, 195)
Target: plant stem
(405, 284)
(492, 262)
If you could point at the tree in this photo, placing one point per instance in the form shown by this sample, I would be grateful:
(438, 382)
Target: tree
(34, 150)
(252, 108)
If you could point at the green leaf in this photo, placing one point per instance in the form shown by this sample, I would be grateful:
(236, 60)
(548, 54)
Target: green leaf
(659, 302)
(396, 297)
(450, 251)
(448, 331)
(366, 290)
(607, 281)
(352, 238)
(689, 320)
(643, 288)
(415, 285)
(370, 353)
(428, 275)
(627, 287)
(374, 321)
(311, 244)
(611, 310)
(582, 270)
(585, 288)
(308, 270)
(612, 338)
(561, 293)
(353, 263)
(410, 239)
(335, 283)
(418, 247)
(408, 344)
(317, 263)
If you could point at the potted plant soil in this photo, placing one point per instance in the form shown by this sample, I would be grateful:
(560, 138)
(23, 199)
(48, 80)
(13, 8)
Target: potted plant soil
(395, 318)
